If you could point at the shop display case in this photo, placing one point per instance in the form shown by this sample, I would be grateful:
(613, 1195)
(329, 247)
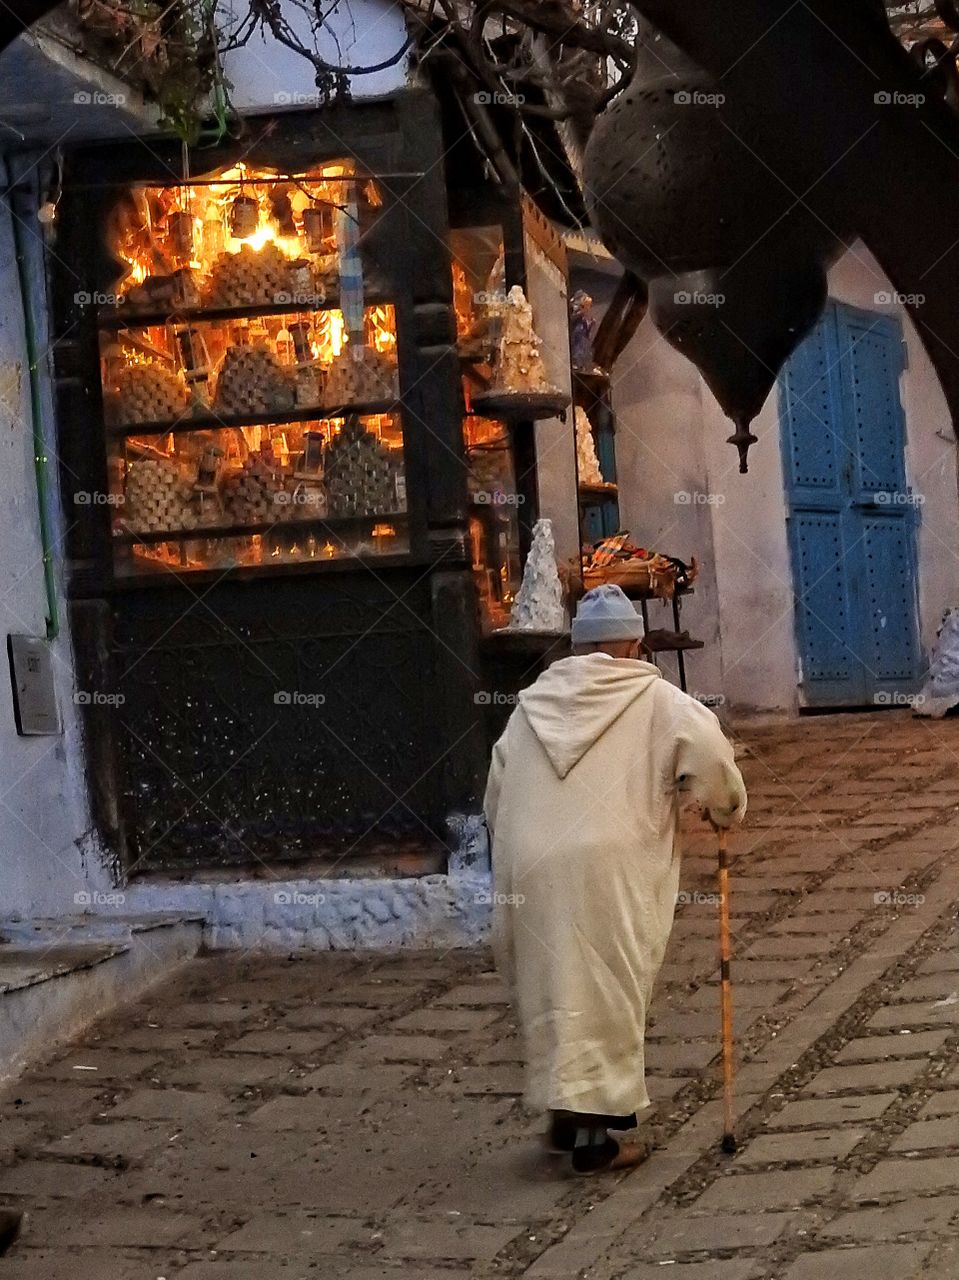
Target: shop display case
(249, 376)
(496, 497)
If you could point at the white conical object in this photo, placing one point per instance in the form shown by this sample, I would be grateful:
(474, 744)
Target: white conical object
(539, 601)
(587, 463)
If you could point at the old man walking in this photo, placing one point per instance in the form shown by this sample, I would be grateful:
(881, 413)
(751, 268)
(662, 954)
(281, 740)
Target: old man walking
(583, 800)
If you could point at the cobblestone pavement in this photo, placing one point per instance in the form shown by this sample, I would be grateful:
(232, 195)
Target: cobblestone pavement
(358, 1115)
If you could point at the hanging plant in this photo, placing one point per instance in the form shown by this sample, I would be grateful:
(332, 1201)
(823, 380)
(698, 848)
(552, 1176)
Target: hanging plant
(170, 51)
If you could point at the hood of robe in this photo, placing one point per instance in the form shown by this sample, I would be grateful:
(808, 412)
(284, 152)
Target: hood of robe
(575, 701)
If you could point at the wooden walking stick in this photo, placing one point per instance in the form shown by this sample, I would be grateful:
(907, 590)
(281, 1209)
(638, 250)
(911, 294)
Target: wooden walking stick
(726, 995)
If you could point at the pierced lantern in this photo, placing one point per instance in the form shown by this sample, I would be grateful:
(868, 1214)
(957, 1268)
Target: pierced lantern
(180, 231)
(734, 262)
(244, 217)
(214, 232)
(319, 229)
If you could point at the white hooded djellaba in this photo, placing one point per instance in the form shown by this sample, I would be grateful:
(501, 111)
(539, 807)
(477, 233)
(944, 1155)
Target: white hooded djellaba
(583, 803)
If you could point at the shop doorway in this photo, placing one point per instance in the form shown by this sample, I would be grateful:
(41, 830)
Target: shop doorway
(851, 515)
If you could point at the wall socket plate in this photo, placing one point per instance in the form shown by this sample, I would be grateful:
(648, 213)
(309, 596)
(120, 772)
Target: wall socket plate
(34, 692)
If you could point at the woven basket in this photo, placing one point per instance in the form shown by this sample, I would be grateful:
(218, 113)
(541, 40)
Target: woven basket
(630, 575)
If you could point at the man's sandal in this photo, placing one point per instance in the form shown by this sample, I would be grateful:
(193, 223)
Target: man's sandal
(611, 1157)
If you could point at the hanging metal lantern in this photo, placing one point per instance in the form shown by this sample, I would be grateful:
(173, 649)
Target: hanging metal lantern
(213, 234)
(740, 326)
(669, 186)
(244, 217)
(180, 230)
(681, 199)
(319, 229)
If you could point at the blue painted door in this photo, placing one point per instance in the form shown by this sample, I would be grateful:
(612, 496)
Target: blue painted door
(852, 518)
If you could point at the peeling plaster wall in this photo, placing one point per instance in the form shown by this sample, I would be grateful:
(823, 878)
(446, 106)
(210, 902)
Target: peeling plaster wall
(671, 438)
(44, 858)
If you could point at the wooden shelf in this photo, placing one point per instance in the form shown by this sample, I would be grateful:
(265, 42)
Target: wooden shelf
(130, 319)
(530, 643)
(664, 641)
(331, 523)
(607, 490)
(594, 383)
(216, 422)
(146, 576)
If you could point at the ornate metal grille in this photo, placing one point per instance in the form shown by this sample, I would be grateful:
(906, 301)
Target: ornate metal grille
(278, 720)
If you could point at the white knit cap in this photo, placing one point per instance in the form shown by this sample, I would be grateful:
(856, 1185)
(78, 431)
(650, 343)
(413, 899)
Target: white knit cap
(604, 614)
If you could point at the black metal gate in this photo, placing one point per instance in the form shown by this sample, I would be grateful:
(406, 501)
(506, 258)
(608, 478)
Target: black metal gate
(251, 733)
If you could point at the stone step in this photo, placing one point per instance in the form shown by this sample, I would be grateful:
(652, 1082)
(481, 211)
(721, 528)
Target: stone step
(59, 975)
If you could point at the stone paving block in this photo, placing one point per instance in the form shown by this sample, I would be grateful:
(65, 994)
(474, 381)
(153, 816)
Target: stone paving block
(433, 1020)
(375, 996)
(213, 1013)
(799, 1148)
(946, 960)
(444, 1241)
(300, 1044)
(313, 1112)
(470, 1079)
(292, 1234)
(663, 1088)
(761, 880)
(133, 1140)
(227, 1074)
(170, 1104)
(778, 1189)
(725, 1269)
(165, 1040)
(881, 1262)
(343, 1077)
(943, 1103)
(667, 1056)
(868, 877)
(91, 1066)
(789, 946)
(482, 994)
(399, 1048)
(535, 1187)
(59, 1107)
(51, 1180)
(687, 1026)
(916, 1015)
(915, 1044)
(507, 1049)
(305, 1017)
(760, 996)
(154, 1227)
(916, 1216)
(943, 1131)
(931, 986)
(16, 1131)
(841, 901)
(260, 1269)
(873, 1075)
(830, 922)
(688, 1234)
(82, 1264)
(841, 803)
(869, 1106)
(891, 1177)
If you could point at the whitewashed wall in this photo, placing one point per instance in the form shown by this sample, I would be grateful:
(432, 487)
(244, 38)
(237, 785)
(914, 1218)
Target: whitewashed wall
(671, 438)
(45, 856)
(661, 459)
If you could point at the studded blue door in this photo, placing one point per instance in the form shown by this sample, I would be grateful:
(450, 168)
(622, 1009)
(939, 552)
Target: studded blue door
(851, 516)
